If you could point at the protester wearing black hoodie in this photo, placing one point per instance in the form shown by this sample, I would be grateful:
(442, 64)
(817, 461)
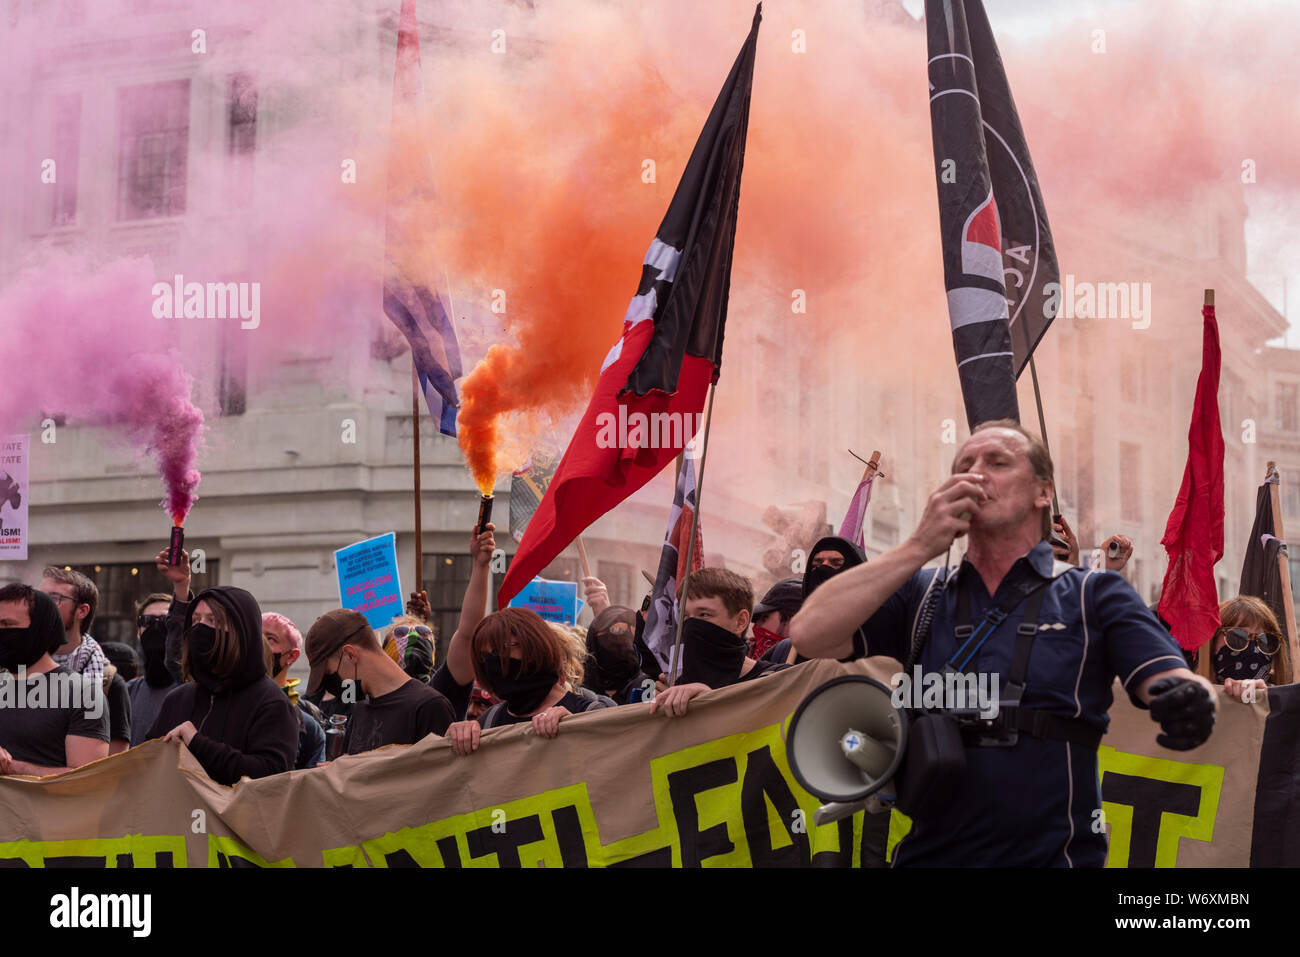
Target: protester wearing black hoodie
(234, 718)
(613, 665)
(830, 556)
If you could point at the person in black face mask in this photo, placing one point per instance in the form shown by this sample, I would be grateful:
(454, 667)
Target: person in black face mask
(613, 665)
(519, 658)
(1248, 651)
(229, 713)
(148, 691)
(830, 556)
(62, 734)
(714, 650)
(388, 705)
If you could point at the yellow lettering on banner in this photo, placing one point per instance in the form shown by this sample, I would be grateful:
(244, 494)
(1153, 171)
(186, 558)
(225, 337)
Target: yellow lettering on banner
(558, 828)
(899, 826)
(133, 850)
(227, 852)
(1207, 779)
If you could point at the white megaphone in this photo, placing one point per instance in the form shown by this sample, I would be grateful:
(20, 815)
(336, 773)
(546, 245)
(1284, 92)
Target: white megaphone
(846, 742)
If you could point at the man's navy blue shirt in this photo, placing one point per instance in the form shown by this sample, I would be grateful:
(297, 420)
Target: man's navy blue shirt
(1033, 804)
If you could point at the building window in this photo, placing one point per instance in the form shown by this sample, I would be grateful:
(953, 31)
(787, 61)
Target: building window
(67, 146)
(1130, 482)
(232, 382)
(121, 586)
(1287, 399)
(618, 578)
(153, 136)
(446, 576)
(1130, 379)
(1290, 501)
(242, 138)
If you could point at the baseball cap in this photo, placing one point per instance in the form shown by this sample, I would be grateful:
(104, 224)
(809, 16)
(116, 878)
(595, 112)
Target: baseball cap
(785, 595)
(331, 632)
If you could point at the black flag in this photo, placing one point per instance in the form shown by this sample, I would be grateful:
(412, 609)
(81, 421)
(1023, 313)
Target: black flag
(1260, 574)
(999, 263)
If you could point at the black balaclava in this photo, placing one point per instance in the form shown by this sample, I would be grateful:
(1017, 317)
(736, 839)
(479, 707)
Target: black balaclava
(610, 648)
(813, 577)
(711, 654)
(23, 647)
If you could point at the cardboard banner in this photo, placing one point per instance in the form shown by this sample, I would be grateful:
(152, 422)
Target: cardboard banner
(369, 581)
(617, 788)
(13, 497)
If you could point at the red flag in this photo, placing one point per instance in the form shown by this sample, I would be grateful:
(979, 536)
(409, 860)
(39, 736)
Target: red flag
(651, 389)
(1194, 535)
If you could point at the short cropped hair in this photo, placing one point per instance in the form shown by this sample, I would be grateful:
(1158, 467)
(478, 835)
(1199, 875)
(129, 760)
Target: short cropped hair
(151, 599)
(1040, 461)
(17, 591)
(86, 592)
(734, 591)
(290, 629)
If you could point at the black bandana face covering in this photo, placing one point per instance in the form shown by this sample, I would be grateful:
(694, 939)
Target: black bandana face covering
(1251, 663)
(521, 695)
(711, 655)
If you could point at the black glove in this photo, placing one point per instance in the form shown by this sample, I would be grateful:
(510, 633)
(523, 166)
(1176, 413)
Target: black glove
(1185, 711)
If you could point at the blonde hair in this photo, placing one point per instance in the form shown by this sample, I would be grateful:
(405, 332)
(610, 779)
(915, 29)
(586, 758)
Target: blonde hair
(573, 644)
(1248, 611)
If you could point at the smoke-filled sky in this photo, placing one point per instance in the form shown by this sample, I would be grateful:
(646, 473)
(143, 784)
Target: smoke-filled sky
(524, 173)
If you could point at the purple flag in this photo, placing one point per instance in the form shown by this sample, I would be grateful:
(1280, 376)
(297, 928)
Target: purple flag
(853, 520)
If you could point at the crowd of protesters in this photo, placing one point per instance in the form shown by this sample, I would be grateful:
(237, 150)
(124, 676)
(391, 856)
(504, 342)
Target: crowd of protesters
(213, 667)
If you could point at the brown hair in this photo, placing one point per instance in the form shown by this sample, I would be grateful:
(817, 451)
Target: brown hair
(735, 591)
(225, 651)
(1039, 459)
(85, 590)
(1247, 610)
(540, 648)
(148, 600)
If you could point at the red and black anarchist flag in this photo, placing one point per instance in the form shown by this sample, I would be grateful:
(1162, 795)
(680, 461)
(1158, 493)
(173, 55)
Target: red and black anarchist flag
(652, 386)
(998, 256)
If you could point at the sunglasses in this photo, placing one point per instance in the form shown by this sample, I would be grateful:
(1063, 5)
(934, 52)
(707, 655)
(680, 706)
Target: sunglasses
(401, 631)
(1238, 639)
(144, 621)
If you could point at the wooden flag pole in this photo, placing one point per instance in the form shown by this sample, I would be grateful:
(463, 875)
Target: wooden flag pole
(582, 557)
(675, 665)
(415, 464)
(1042, 428)
(1283, 561)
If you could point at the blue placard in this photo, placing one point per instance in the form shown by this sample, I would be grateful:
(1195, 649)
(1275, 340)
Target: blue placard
(554, 601)
(369, 581)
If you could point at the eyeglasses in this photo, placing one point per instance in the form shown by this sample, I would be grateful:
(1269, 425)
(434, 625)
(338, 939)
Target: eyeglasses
(401, 631)
(1239, 638)
(144, 621)
(58, 598)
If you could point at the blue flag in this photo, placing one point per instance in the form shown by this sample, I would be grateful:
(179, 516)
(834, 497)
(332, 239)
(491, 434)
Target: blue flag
(409, 302)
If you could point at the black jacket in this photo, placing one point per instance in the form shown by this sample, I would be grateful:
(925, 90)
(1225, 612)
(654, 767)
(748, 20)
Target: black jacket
(247, 728)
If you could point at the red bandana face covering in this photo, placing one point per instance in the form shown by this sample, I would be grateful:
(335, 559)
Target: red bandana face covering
(763, 640)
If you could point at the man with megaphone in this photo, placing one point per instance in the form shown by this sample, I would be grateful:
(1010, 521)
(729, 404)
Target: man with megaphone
(1050, 636)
